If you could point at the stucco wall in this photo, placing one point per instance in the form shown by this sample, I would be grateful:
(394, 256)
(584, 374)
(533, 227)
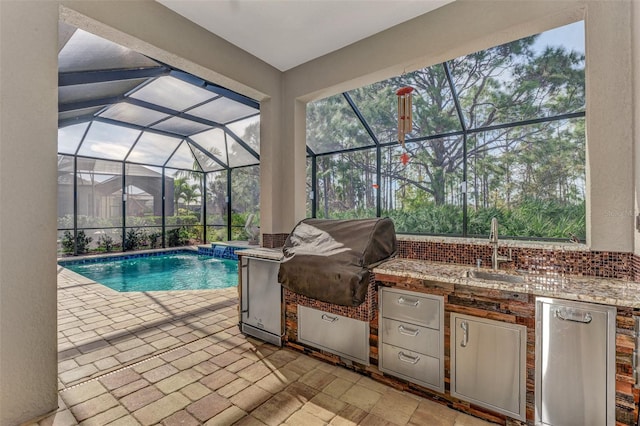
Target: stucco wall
(635, 23)
(466, 26)
(28, 87)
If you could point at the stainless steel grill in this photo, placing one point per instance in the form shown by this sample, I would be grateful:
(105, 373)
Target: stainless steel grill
(330, 260)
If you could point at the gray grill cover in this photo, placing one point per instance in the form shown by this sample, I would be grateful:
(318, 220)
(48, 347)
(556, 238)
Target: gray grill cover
(328, 260)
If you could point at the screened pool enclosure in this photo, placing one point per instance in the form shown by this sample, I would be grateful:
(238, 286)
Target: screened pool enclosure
(499, 132)
(149, 156)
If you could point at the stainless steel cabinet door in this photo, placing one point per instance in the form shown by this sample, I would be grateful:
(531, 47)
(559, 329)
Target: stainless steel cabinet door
(575, 363)
(261, 295)
(346, 337)
(488, 360)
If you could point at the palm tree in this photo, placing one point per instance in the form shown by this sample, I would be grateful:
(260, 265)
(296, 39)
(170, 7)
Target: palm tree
(190, 193)
(180, 185)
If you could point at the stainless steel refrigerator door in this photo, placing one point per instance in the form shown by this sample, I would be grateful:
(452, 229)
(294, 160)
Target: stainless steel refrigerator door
(261, 294)
(575, 363)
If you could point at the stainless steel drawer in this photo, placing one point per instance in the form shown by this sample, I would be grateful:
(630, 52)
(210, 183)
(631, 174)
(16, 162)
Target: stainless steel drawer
(413, 337)
(413, 366)
(408, 306)
(343, 336)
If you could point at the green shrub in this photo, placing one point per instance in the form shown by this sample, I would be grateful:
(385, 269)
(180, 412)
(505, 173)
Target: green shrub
(155, 239)
(106, 242)
(82, 242)
(67, 242)
(183, 219)
(177, 237)
(134, 239)
(216, 234)
(194, 233)
(531, 218)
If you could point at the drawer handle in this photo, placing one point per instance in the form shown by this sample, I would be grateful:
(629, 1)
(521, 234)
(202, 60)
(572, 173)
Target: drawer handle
(408, 302)
(408, 358)
(408, 331)
(329, 318)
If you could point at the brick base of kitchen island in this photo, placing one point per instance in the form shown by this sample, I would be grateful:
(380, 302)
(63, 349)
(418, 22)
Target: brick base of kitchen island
(509, 307)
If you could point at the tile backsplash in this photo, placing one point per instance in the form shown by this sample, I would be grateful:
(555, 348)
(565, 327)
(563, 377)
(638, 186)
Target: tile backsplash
(362, 312)
(273, 240)
(543, 260)
(561, 259)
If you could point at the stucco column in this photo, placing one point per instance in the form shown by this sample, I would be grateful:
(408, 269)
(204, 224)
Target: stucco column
(274, 177)
(282, 165)
(299, 161)
(635, 55)
(28, 188)
(609, 126)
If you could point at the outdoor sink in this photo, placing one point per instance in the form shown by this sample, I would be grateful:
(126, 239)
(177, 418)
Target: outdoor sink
(494, 276)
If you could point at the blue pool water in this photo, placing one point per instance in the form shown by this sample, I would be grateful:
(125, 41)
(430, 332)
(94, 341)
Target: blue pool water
(176, 271)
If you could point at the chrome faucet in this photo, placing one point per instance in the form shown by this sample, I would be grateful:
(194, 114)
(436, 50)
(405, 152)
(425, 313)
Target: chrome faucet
(493, 240)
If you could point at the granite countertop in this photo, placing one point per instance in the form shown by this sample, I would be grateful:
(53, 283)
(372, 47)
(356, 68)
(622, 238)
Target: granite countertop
(261, 253)
(606, 291)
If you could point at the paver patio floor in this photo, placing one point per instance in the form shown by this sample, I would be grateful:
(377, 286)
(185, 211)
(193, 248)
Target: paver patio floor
(178, 358)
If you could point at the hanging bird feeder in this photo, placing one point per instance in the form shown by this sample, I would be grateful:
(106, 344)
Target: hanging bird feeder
(404, 112)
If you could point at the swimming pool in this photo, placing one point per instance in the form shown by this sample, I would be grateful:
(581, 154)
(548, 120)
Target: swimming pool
(159, 272)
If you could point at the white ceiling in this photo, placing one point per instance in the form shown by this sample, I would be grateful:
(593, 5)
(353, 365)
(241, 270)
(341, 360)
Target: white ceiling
(287, 33)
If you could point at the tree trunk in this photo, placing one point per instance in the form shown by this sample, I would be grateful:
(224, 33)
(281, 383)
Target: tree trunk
(439, 190)
(325, 180)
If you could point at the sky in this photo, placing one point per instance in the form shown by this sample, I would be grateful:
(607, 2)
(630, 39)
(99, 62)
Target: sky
(571, 36)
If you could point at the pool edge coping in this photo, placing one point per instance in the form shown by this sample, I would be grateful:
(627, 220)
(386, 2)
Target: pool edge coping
(91, 258)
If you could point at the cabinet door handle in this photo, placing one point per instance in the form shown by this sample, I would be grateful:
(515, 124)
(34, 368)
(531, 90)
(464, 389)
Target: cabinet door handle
(408, 358)
(634, 367)
(408, 302)
(245, 310)
(585, 320)
(329, 318)
(407, 331)
(465, 334)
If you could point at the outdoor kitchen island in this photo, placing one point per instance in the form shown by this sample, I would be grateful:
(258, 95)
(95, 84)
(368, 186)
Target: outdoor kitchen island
(510, 302)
